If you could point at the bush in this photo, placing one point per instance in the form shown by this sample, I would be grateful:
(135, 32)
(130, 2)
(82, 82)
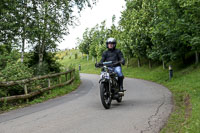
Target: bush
(6, 56)
(76, 56)
(49, 64)
(16, 71)
(12, 72)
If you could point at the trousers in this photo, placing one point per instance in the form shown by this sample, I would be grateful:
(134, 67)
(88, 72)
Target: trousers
(118, 70)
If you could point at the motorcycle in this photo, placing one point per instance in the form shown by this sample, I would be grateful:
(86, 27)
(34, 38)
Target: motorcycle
(109, 86)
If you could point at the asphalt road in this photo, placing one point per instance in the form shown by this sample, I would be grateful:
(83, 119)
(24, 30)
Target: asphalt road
(145, 109)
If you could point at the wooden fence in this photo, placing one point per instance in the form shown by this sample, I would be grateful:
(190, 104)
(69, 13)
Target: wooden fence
(68, 79)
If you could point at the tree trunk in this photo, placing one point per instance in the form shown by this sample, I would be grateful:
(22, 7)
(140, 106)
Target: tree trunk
(183, 59)
(24, 31)
(40, 53)
(163, 64)
(127, 62)
(22, 53)
(196, 57)
(150, 64)
(139, 63)
(40, 59)
(96, 60)
(87, 57)
(42, 48)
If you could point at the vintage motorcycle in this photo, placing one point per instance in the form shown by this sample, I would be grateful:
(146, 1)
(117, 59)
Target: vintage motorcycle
(109, 86)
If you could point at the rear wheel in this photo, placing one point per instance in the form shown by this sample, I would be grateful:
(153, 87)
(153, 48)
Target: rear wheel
(105, 96)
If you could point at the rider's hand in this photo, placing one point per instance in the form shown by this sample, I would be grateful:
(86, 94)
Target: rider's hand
(122, 62)
(97, 65)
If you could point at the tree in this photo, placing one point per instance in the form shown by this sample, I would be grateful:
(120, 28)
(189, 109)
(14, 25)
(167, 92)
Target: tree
(38, 22)
(85, 43)
(9, 25)
(131, 25)
(191, 25)
(93, 35)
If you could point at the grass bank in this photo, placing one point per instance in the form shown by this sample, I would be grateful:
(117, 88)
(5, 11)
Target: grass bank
(185, 86)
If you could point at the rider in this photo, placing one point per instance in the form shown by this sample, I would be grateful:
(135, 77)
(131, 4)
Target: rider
(115, 55)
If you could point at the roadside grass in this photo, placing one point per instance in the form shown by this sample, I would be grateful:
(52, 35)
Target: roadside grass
(86, 66)
(185, 88)
(56, 92)
(59, 91)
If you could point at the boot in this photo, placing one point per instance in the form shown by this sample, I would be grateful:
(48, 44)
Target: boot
(120, 79)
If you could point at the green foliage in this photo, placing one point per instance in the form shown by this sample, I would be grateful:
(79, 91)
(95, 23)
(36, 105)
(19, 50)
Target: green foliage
(41, 24)
(7, 55)
(76, 56)
(41, 69)
(14, 71)
(85, 44)
(157, 30)
(9, 18)
(37, 23)
(49, 64)
(94, 39)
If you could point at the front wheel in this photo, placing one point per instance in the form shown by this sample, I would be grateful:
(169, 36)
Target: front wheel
(105, 95)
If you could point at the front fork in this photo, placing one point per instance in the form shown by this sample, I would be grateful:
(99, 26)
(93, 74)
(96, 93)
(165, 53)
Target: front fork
(109, 87)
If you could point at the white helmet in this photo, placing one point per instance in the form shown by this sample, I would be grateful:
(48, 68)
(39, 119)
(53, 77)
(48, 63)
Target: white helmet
(112, 41)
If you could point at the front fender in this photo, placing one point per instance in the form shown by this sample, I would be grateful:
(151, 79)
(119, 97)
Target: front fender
(103, 80)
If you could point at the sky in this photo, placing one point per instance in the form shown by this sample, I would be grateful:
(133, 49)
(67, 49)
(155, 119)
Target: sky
(103, 10)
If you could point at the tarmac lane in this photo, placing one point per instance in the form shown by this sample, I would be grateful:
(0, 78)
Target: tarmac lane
(145, 108)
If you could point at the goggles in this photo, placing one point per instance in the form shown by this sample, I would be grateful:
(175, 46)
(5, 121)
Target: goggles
(111, 43)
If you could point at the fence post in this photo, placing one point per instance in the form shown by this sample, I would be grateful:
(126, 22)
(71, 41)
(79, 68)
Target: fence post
(26, 91)
(170, 72)
(60, 79)
(70, 75)
(79, 67)
(74, 73)
(49, 84)
(66, 76)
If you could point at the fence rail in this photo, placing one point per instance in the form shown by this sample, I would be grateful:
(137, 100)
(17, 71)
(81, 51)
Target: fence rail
(24, 82)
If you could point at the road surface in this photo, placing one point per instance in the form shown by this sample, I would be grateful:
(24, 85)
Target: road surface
(145, 109)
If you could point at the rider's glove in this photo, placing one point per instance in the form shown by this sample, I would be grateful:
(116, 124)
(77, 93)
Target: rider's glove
(122, 62)
(97, 65)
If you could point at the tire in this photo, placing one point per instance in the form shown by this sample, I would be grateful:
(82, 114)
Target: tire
(105, 96)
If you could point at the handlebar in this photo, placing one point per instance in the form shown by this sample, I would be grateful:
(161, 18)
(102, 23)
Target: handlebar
(108, 63)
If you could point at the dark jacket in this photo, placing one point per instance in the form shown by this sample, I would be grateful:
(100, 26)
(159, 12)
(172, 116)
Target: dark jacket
(113, 55)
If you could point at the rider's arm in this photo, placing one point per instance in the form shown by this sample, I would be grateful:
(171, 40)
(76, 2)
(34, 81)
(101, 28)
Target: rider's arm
(103, 57)
(121, 57)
